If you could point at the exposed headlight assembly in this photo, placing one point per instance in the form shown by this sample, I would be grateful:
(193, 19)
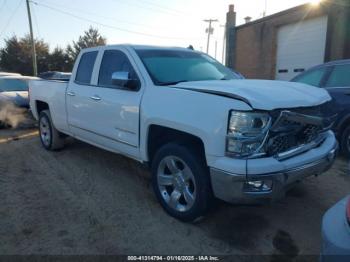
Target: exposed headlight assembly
(247, 132)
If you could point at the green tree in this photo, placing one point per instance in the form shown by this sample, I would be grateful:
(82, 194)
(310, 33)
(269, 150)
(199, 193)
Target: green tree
(90, 38)
(16, 56)
(58, 60)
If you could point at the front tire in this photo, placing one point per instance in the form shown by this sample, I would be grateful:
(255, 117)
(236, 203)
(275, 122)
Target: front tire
(345, 142)
(181, 182)
(50, 137)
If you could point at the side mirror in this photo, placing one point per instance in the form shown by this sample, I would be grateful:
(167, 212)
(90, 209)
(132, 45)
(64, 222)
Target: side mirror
(122, 78)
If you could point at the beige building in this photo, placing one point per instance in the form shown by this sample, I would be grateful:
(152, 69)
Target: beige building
(284, 44)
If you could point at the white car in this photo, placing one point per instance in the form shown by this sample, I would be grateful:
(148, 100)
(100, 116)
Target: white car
(203, 131)
(14, 89)
(9, 74)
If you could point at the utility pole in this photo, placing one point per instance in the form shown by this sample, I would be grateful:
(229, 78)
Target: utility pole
(265, 9)
(216, 48)
(223, 44)
(35, 68)
(210, 21)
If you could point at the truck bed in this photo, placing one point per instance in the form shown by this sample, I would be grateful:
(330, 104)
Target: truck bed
(53, 94)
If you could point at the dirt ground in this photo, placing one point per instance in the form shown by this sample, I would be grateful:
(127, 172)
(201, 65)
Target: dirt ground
(83, 200)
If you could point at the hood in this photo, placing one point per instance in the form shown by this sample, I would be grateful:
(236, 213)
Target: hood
(262, 94)
(19, 98)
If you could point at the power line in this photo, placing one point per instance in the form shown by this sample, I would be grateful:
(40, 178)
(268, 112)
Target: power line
(149, 8)
(104, 17)
(106, 25)
(11, 17)
(163, 7)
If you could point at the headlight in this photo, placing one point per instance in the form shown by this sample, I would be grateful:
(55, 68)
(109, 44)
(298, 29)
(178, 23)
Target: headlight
(246, 132)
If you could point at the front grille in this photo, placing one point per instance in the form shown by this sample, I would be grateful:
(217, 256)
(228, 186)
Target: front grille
(290, 132)
(297, 136)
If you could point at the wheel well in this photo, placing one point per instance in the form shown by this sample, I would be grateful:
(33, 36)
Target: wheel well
(40, 106)
(160, 135)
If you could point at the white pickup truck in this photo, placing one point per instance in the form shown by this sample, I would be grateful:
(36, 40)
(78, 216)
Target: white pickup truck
(203, 131)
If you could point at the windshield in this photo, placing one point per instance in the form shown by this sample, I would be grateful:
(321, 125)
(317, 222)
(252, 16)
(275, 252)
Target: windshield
(174, 66)
(10, 85)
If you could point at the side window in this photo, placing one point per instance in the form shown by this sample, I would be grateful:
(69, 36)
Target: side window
(114, 61)
(340, 77)
(85, 68)
(313, 77)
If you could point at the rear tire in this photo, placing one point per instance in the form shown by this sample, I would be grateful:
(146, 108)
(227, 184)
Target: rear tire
(345, 142)
(50, 137)
(181, 182)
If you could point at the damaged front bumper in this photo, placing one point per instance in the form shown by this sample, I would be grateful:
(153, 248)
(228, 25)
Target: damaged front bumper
(246, 180)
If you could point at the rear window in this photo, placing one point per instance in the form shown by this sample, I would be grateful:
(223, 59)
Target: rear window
(85, 68)
(340, 77)
(10, 85)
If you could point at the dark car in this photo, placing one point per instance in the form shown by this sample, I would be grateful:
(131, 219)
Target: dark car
(335, 77)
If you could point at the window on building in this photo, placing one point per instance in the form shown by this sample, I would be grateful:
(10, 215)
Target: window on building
(339, 77)
(85, 68)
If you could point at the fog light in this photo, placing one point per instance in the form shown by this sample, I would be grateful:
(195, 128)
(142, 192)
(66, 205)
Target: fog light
(258, 186)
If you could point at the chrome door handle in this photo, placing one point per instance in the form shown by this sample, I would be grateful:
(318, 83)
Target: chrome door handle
(70, 93)
(96, 98)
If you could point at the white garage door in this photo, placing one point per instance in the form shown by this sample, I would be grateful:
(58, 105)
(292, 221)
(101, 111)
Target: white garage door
(300, 46)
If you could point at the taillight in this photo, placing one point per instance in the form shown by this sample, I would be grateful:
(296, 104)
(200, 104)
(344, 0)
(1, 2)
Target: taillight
(348, 211)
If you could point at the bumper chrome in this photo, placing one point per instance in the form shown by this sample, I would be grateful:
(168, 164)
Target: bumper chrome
(233, 187)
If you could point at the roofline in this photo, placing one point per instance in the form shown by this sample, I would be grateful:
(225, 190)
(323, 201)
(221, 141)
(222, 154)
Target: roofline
(338, 62)
(330, 63)
(260, 20)
(136, 47)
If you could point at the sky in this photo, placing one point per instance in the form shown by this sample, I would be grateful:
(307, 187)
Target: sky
(154, 22)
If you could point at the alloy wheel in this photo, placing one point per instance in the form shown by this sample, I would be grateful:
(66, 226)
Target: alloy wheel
(45, 131)
(176, 183)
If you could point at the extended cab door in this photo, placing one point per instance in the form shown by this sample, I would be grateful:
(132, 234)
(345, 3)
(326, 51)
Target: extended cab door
(81, 97)
(109, 115)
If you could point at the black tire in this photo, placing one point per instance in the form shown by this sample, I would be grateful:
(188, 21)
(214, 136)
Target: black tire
(54, 140)
(345, 142)
(203, 193)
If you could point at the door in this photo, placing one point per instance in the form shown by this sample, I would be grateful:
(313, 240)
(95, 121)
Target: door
(100, 111)
(82, 98)
(119, 108)
(300, 46)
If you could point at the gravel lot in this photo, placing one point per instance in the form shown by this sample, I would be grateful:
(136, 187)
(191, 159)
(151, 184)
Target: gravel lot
(83, 200)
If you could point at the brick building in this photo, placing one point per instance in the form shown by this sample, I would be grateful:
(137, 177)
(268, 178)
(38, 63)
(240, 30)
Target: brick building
(284, 44)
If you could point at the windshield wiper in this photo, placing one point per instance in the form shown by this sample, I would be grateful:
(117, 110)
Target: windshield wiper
(171, 83)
